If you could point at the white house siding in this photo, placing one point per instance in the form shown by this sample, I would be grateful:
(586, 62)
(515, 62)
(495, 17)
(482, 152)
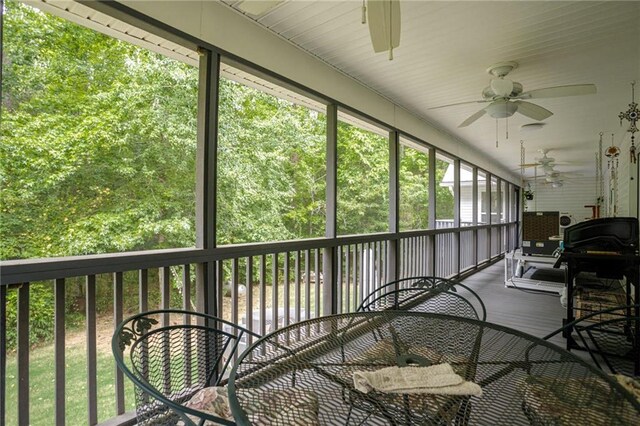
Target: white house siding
(570, 198)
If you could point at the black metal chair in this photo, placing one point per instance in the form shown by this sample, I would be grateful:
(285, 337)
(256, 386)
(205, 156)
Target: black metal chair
(172, 355)
(427, 294)
(610, 336)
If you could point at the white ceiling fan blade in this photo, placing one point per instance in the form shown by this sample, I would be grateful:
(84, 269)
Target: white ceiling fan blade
(473, 118)
(533, 111)
(560, 91)
(461, 103)
(384, 24)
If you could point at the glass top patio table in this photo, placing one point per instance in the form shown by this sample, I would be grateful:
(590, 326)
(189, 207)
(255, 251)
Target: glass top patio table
(303, 375)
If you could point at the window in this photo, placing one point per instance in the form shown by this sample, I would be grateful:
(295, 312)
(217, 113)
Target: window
(444, 191)
(503, 207)
(494, 206)
(414, 186)
(483, 199)
(363, 177)
(271, 162)
(466, 194)
(98, 141)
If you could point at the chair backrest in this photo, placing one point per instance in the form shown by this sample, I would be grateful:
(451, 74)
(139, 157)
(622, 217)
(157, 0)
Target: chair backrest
(443, 300)
(171, 355)
(607, 335)
(428, 282)
(426, 300)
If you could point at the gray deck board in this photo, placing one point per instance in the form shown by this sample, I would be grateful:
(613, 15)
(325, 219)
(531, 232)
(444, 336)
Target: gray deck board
(535, 313)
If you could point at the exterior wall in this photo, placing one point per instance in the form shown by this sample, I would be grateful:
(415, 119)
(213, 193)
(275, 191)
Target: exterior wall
(227, 30)
(570, 198)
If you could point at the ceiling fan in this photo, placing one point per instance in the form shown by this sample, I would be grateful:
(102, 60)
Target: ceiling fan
(505, 97)
(545, 162)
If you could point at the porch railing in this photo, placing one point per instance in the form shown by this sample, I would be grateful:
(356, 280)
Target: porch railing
(260, 286)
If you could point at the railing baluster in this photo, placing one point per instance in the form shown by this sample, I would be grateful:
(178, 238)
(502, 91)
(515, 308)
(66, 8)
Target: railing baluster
(354, 270)
(186, 306)
(249, 299)
(143, 305)
(274, 292)
(92, 393)
(118, 299)
(3, 353)
(317, 283)
(165, 285)
(59, 333)
(23, 354)
(165, 290)
(263, 295)
(347, 277)
(307, 284)
(186, 289)
(234, 297)
(143, 290)
(339, 288)
(285, 290)
(296, 290)
(220, 288)
(234, 290)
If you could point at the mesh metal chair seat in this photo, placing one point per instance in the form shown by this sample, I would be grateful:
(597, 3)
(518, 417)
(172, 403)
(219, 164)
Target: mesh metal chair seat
(427, 294)
(610, 336)
(172, 355)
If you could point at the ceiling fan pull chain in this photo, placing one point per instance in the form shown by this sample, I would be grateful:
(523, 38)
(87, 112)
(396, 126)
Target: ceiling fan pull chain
(364, 12)
(496, 132)
(507, 126)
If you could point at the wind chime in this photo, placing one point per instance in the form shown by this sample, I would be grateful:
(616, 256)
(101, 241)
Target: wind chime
(599, 179)
(612, 153)
(631, 115)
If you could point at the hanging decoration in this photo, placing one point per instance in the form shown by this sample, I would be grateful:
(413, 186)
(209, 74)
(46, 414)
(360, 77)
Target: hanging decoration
(599, 178)
(612, 153)
(631, 115)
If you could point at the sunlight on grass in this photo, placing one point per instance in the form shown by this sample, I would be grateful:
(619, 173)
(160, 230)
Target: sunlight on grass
(42, 386)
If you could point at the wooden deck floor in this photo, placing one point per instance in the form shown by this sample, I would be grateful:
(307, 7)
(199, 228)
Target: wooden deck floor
(534, 313)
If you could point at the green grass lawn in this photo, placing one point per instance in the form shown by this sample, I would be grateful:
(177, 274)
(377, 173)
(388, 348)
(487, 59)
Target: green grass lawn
(42, 386)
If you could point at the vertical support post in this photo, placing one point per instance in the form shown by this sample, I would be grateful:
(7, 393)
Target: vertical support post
(500, 214)
(456, 215)
(394, 205)
(487, 208)
(206, 177)
(474, 213)
(431, 239)
(329, 262)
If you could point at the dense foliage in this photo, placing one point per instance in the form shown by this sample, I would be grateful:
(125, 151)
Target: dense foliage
(98, 155)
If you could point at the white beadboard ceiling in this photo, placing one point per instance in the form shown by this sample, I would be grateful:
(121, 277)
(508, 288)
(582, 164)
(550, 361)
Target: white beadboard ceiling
(446, 47)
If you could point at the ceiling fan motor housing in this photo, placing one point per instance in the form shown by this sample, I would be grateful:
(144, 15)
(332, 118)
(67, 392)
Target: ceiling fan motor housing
(488, 93)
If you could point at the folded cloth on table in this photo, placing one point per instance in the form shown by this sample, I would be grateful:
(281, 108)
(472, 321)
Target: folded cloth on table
(435, 379)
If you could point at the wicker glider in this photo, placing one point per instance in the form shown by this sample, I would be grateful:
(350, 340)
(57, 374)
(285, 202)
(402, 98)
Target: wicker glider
(178, 362)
